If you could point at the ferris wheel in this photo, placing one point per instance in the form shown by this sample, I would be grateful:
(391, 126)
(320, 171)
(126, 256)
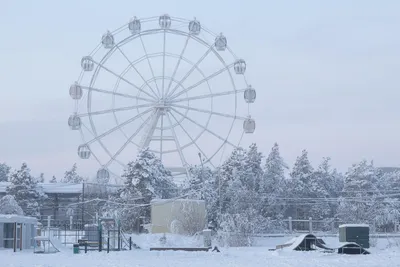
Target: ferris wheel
(166, 83)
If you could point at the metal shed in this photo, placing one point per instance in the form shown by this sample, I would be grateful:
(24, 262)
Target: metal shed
(357, 233)
(17, 232)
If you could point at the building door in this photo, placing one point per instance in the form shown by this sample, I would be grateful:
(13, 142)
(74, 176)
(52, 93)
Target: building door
(8, 235)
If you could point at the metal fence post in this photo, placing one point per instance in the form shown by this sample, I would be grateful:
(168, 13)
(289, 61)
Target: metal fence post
(310, 224)
(290, 225)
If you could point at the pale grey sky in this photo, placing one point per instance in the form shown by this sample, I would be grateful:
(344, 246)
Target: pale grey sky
(326, 74)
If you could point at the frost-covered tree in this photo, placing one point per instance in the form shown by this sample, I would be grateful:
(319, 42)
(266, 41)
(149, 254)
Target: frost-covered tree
(330, 181)
(4, 172)
(72, 176)
(239, 185)
(25, 191)
(232, 170)
(197, 182)
(53, 180)
(273, 185)
(253, 169)
(148, 176)
(360, 202)
(308, 194)
(145, 179)
(8, 205)
(40, 179)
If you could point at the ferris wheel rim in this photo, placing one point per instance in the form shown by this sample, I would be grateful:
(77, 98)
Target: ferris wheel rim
(157, 31)
(172, 95)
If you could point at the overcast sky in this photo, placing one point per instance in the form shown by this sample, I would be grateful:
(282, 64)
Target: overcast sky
(326, 72)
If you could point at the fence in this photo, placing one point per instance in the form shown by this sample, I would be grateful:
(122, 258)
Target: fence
(328, 226)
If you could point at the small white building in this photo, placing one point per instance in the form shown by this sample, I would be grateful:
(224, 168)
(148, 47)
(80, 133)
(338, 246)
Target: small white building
(17, 232)
(178, 216)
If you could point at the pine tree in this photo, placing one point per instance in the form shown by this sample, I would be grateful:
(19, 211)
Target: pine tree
(145, 179)
(41, 178)
(195, 184)
(304, 184)
(53, 180)
(8, 205)
(148, 176)
(360, 201)
(331, 182)
(4, 172)
(253, 169)
(72, 176)
(25, 191)
(274, 185)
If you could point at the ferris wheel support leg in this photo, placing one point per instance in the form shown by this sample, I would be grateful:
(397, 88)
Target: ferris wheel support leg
(194, 141)
(178, 146)
(149, 132)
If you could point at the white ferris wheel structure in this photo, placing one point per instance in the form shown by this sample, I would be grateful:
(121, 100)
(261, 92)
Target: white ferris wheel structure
(166, 83)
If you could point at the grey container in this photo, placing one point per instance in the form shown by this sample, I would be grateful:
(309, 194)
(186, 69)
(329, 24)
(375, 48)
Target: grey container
(358, 233)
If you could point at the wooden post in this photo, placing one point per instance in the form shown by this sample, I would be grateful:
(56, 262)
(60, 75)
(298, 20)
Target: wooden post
(20, 236)
(333, 226)
(15, 237)
(130, 243)
(108, 244)
(290, 225)
(310, 224)
(83, 204)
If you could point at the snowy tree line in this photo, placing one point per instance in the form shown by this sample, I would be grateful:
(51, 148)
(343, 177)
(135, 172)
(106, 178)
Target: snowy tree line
(25, 193)
(247, 194)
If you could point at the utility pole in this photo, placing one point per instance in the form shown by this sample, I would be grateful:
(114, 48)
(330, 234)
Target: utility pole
(83, 204)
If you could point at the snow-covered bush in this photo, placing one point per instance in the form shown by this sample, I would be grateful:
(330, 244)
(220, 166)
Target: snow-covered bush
(8, 205)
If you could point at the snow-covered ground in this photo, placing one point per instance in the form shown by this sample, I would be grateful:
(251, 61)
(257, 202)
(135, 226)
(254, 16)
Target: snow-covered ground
(382, 255)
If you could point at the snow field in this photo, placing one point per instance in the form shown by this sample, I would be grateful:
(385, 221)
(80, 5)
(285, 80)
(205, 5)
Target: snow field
(384, 254)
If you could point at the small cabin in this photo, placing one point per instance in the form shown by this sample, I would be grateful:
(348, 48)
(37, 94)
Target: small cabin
(17, 232)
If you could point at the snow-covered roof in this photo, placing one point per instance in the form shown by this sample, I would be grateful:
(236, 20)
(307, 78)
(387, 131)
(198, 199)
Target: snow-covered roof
(12, 218)
(163, 201)
(353, 225)
(65, 188)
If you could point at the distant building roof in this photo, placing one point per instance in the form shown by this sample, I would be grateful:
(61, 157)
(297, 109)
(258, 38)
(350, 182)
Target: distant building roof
(12, 218)
(52, 188)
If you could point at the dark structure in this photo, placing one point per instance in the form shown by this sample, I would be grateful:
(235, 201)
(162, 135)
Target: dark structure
(357, 233)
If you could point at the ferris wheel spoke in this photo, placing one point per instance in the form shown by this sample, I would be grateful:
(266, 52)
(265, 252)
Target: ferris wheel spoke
(119, 126)
(177, 65)
(100, 112)
(148, 61)
(122, 78)
(191, 138)
(115, 93)
(209, 112)
(202, 81)
(206, 96)
(163, 67)
(161, 136)
(191, 70)
(198, 124)
(127, 141)
(178, 146)
(133, 67)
